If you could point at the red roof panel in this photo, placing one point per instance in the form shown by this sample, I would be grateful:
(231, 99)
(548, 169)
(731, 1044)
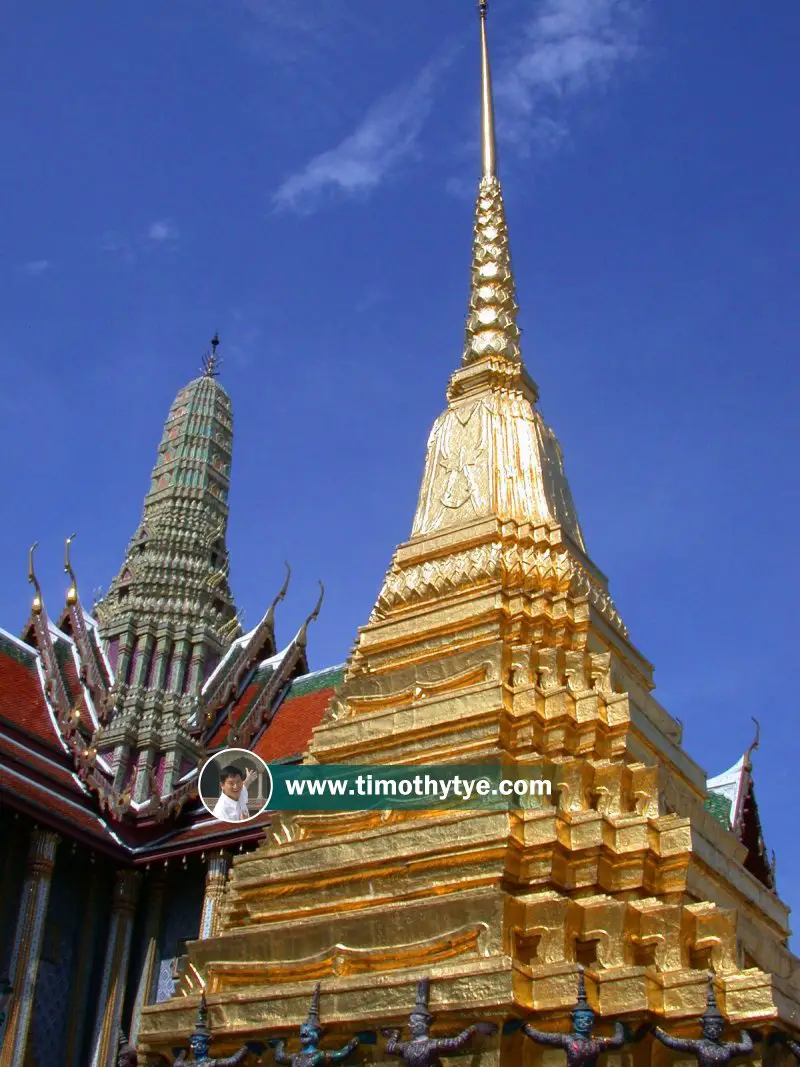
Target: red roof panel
(291, 726)
(22, 701)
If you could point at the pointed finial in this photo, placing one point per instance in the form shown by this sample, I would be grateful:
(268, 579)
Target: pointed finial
(281, 594)
(302, 636)
(38, 602)
(753, 744)
(313, 1011)
(72, 592)
(491, 331)
(712, 1011)
(201, 1027)
(488, 143)
(211, 360)
(582, 1003)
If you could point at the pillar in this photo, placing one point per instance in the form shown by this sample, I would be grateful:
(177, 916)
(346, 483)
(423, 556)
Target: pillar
(152, 935)
(115, 968)
(79, 1016)
(25, 955)
(217, 866)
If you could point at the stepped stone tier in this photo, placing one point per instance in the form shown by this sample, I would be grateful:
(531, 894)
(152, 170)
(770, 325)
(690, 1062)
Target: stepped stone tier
(494, 637)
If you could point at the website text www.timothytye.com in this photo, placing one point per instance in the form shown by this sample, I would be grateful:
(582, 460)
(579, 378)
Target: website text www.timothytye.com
(357, 787)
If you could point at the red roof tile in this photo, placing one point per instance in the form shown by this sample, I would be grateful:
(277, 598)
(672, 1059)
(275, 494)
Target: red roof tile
(59, 771)
(22, 701)
(48, 804)
(220, 738)
(291, 726)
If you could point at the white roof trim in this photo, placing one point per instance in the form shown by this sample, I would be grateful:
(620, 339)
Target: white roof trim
(50, 712)
(729, 785)
(237, 644)
(32, 652)
(322, 670)
(92, 623)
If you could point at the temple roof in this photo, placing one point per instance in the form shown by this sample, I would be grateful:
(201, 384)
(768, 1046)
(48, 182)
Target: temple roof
(729, 787)
(37, 767)
(732, 801)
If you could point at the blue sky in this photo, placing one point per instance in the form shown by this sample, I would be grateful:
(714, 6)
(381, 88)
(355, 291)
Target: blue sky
(300, 176)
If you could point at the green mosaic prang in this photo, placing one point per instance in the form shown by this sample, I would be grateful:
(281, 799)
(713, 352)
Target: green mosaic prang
(170, 608)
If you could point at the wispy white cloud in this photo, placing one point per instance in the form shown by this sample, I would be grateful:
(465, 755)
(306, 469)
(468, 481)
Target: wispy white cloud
(162, 230)
(386, 136)
(568, 48)
(292, 30)
(35, 267)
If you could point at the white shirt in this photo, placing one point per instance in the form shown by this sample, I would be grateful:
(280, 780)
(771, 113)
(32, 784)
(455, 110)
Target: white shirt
(228, 810)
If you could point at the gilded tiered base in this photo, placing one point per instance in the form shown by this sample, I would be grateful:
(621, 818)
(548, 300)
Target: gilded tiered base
(498, 908)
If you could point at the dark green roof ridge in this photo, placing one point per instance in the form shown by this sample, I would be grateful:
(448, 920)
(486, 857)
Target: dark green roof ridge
(312, 683)
(25, 657)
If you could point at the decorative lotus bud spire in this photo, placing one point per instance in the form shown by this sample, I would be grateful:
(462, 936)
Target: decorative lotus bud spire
(313, 1012)
(492, 329)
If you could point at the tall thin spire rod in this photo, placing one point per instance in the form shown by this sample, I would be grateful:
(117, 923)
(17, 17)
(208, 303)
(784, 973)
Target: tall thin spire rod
(488, 142)
(211, 360)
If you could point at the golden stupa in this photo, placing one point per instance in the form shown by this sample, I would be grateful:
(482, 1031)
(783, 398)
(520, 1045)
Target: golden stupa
(494, 637)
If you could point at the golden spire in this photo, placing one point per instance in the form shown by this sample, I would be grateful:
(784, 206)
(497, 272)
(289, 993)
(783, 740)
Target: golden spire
(492, 329)
(488, 144)
(38, 603)
(72, 592)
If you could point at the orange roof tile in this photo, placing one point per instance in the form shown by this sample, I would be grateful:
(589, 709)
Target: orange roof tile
(291, 727)
(22, 701)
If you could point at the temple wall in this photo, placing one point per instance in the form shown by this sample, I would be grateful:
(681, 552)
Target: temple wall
(60, 957)
(14, 832)
(183, 908)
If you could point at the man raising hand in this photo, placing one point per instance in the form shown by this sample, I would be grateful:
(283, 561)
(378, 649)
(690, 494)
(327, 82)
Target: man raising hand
(232, 804)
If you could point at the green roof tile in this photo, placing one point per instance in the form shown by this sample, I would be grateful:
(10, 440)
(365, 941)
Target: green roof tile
(720, 807)
(312, 683)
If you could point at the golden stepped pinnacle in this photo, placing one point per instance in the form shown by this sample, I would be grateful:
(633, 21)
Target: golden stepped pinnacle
(492, 320)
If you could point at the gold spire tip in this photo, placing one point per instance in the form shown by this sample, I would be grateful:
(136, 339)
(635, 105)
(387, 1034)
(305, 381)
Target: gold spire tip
(488, 145)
